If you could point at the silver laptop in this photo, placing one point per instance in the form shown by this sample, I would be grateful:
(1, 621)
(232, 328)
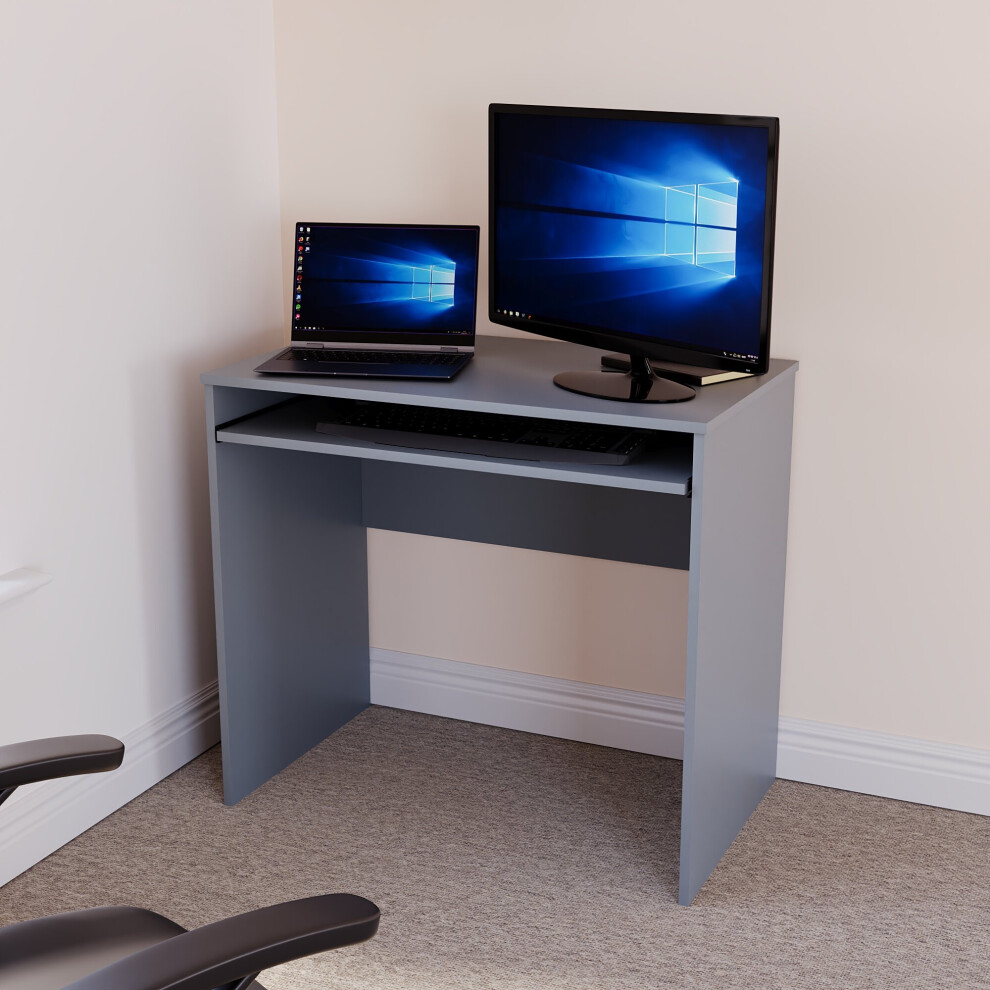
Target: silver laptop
(381, 301)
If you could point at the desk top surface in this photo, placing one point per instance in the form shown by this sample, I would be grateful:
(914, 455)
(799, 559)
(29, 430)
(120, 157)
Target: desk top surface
(515, 375)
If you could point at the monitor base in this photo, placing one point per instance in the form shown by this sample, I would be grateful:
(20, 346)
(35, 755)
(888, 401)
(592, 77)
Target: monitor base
(637, 385)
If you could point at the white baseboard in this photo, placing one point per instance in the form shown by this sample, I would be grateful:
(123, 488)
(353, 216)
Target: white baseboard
(39, 818)
(955, 777)
(547, 706)
(860, 760)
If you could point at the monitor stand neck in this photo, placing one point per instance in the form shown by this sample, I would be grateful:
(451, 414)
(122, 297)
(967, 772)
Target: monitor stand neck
(639, 384)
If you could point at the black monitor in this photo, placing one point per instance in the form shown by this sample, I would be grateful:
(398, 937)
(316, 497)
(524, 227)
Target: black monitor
(644, 232)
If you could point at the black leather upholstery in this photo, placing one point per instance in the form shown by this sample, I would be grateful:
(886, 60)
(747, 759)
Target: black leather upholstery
(50, 953)
(61, 756)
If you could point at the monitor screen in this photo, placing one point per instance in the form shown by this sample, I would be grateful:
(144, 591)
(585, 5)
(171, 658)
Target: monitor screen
(650, 233)
(371, 280)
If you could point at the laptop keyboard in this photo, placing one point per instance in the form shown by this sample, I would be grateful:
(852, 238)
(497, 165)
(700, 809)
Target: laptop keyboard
(320, 354)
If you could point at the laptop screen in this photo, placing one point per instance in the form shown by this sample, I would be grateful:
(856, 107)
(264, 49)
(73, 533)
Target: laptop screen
(393, 284)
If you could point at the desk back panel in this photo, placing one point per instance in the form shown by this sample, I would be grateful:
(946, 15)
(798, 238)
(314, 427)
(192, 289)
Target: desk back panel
(232, 404)
(531, 513)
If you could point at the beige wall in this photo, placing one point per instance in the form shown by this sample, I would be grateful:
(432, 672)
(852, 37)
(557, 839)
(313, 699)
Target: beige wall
(139, 247)
(880, 292)
(586, 620)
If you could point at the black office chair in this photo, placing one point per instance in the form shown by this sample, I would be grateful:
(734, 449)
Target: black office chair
(126, 948)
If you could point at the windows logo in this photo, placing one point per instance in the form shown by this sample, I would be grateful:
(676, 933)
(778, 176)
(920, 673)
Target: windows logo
(700, 225)
(434, 284)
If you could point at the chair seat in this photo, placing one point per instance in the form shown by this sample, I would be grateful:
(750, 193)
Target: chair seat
(50, 953)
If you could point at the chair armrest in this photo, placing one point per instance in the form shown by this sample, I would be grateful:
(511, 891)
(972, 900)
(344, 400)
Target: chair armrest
(241, 946)
(63, 756)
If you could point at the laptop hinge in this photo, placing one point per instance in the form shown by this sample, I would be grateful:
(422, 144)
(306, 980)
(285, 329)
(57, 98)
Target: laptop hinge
(453, 350)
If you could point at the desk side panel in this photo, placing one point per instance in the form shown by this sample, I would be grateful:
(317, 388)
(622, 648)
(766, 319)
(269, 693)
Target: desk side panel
(735, 618)
(292, 587)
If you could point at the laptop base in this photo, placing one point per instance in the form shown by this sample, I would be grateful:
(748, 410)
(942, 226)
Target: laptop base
(421, 366)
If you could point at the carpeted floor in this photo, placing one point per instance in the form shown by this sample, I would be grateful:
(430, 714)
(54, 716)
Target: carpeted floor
(517, 862)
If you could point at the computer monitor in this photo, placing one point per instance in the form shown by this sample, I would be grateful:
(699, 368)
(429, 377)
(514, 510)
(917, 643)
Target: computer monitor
(644, 232)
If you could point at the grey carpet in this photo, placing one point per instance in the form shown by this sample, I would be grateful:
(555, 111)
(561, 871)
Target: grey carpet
(512, 861)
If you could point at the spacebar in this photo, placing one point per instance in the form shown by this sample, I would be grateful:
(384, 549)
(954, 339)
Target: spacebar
(460, 445)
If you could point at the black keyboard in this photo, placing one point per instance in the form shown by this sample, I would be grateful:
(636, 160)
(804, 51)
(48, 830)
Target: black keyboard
(373, 357)
(490, 434)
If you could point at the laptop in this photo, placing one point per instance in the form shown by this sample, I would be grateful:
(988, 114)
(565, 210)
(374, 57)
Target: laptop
(381, 301)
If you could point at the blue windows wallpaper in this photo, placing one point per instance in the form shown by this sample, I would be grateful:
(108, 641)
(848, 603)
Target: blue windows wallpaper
(645, 227)
(396, 278)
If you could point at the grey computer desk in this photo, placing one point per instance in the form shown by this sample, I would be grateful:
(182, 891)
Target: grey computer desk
(290, 508)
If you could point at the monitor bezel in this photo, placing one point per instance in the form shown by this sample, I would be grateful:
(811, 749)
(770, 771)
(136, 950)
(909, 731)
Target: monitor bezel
(462, 338)
(616, 340)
